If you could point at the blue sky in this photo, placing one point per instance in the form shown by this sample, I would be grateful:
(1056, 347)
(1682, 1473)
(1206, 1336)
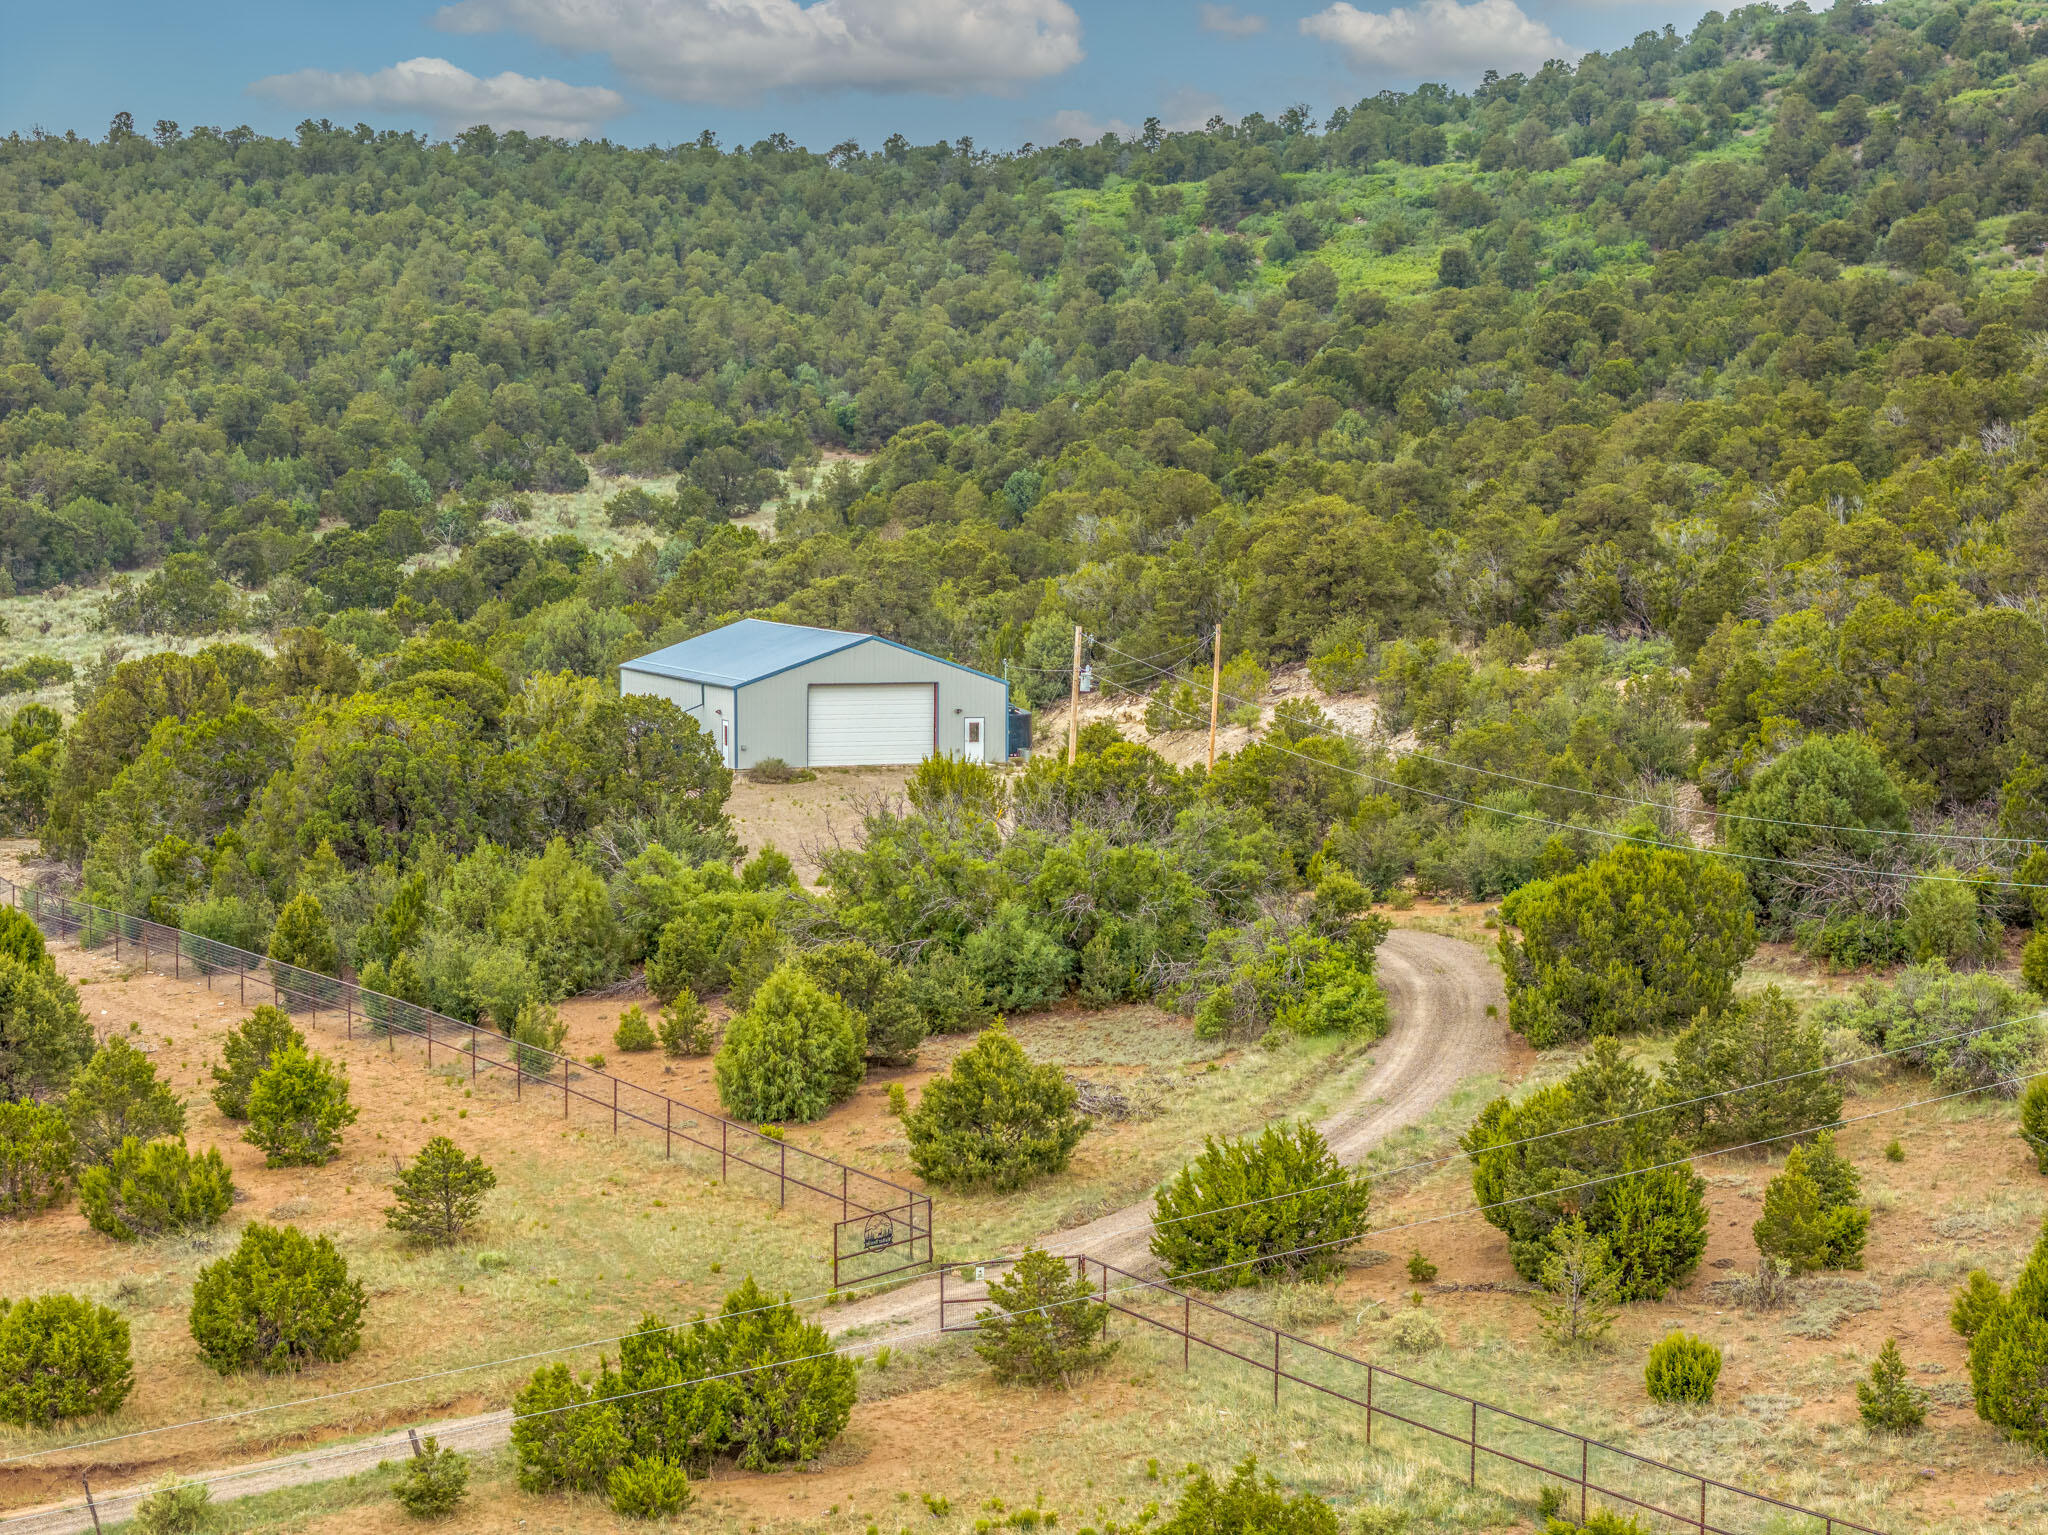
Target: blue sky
(641, 71)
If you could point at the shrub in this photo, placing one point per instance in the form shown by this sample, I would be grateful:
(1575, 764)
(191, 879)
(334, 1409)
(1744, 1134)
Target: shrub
(433, 1482)
(279, 1301)
(994, 1120)
(648, 1487)
(440, 1195)
(1969, 1031)
(561, 1442)
(1266, 1207)
(757, 1383)
(948, 995)
(634, 1033)
(769, 869)
(155, 1189)
(1855, 941)
(782, 1414)
(537, 1033)
(1811, 1219)
(174, 1506)
(298, 1107)
(1682, 1368)
(1018, 964)
(1888, 1400)
(685, 1027)
(775, 770)
(1420, 1269)
(1978, 1298)
(2034, 964)
(1639, 939)
(117, 1097)
(61, 1357)
(36, 1156)
(877, 991)
(1654, 1223)
(1943, 921)
(1602, 1521)
(304, 937)
(1415, 1331)
(791, 1055)
(1247, 1503)
(21, 940)
(44, 1037)
(899, 1101)
(1043, 1327)
(2034, 1121)
(754, 949)
(1262, 978)
(1810, 805)
(1759, 1040)
(1580, 1279)
(2009, 1348)
(558, 914)
(246, 1052)
(682, 957)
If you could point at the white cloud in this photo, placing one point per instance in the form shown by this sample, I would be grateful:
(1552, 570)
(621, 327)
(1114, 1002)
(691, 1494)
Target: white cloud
(1075, 123)
(1187, 109)
(451, 98)
(1221, 18)
(1439, 39)
(730, 50)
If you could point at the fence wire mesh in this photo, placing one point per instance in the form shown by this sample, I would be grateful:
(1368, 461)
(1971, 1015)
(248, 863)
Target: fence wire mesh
(882, 1228)
(1481, 1442)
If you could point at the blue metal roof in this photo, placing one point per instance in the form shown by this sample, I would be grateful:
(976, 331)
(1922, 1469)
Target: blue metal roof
(744, 652)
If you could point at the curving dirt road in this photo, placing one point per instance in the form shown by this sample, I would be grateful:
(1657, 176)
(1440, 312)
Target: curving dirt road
(1438, 991)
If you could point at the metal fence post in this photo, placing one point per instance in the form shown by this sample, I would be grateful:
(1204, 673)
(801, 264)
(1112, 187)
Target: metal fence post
(1105, 1299)
(842, 1190)
(1276, 1369)
(723, 1126)
(615, 1105)
(90, 1506)
(782, 1177)
(1472, 1471)
(1368, 1406)
(565, 1087)
(1703, 1506)
(1187, 1329)
(1585, 1449)
(668, 1127)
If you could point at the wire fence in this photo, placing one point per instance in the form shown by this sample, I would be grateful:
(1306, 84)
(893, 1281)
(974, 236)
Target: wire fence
(1515, 1454)
(882, 1229)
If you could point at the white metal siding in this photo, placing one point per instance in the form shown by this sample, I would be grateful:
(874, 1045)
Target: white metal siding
(871, 724)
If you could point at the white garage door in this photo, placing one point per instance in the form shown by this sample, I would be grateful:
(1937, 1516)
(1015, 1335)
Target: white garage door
(866, 724)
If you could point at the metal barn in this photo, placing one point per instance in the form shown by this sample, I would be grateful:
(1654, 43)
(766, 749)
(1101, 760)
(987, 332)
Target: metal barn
(825, 697)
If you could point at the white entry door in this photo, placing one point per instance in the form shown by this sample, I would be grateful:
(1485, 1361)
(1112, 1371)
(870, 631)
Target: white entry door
(972, 749)
(872, 724)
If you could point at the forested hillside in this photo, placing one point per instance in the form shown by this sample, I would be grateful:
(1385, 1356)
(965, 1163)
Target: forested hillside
(1705, 371)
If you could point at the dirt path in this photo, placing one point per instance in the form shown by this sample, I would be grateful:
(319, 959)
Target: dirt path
(1439, 990)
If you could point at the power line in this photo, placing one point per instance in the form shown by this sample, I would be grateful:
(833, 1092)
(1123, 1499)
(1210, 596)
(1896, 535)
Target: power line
(1618, 836)
(1598, 1124)
(853, 1347)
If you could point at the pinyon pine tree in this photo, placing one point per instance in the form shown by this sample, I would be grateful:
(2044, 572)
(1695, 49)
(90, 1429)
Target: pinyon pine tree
(440, 1194)
(1888, 1400)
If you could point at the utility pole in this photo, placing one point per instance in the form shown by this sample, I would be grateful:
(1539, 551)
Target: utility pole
(1215, 688)
(1074, 703)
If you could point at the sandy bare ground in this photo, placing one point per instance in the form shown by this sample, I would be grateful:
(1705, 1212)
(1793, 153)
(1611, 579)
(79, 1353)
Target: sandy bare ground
(1439, 990)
